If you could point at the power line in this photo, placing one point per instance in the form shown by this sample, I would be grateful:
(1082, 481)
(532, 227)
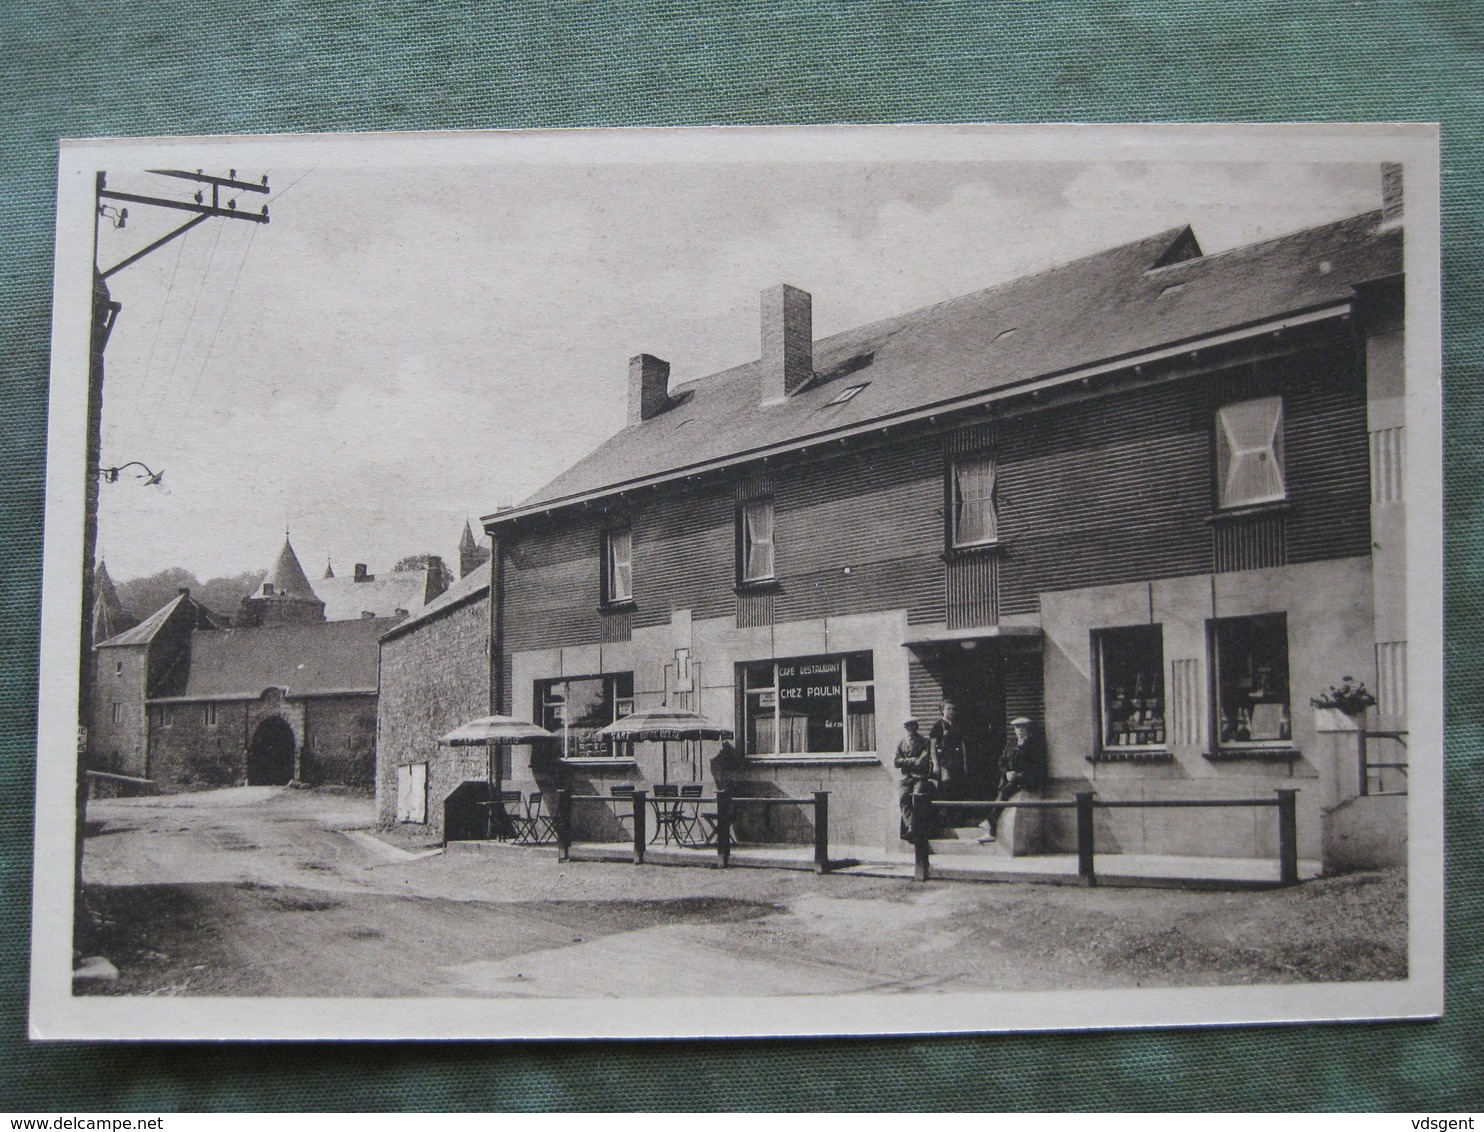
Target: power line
(206, 357)
(128, 432)
(184, 334)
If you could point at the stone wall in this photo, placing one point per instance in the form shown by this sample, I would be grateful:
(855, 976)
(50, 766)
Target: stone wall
(118, 746)
(339, 741)
(434, 677)
(188, 752)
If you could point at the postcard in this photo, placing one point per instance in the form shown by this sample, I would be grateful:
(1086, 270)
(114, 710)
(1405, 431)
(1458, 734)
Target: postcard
(727, 582)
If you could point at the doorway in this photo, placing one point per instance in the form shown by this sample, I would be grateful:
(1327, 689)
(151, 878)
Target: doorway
(974, 680)
(270, 756)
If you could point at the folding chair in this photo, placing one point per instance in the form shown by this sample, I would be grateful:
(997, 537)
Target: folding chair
(690, 825)
(509, 814)
(623, 805)
(539, 827)
(666, 811)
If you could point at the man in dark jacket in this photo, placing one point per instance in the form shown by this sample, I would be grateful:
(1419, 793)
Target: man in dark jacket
(1022, 767)
(915, 762)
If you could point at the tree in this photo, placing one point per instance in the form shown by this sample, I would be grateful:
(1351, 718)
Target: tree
(421, 561)
(142, 596)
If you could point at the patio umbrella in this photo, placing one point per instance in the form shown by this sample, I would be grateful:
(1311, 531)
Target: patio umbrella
(661, 724)
(494, 731)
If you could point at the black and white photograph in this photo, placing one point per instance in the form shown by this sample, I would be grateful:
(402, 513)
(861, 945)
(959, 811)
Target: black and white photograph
(723, 582)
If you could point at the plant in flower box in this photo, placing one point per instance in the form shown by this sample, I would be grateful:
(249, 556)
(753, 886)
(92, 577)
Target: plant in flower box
(1340, 708)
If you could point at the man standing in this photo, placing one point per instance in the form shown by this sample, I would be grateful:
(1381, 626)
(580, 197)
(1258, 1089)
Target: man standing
(915, 761)
(1022, 767)
(948, 751)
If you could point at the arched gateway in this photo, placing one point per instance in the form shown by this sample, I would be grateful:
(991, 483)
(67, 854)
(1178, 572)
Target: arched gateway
(270, 756)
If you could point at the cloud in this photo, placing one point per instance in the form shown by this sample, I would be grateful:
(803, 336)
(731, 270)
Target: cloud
(402, 347)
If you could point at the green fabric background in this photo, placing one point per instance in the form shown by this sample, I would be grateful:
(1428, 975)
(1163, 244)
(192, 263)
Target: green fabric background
(204, 66)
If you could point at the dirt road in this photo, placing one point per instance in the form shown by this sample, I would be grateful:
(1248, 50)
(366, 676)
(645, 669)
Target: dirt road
(268, 891)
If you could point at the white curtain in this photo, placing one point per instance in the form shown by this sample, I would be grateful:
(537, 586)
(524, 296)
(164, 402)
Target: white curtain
(620, 566)
(1249, 451)
(759, 549)
(974, 514)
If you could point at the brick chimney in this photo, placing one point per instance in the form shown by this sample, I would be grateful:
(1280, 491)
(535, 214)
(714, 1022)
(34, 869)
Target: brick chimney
(649, 386)
(361, 574)
(1391, 192)
(787, 340)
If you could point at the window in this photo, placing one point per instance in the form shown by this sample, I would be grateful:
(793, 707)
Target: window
(118, 713)
(1249, 453)
(577, 709)
(809, 705)
(167, 716)
(1131, 665)
(755, 541)
(208, 715)
(118, 668)
(618, 567)
(975, 522)
(846, 394)
(1251, 673)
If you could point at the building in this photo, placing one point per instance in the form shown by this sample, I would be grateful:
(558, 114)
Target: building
(130, 668)
(286, 693)
(435, 675)
(364, 594)
(1150, 499)
(110, 618)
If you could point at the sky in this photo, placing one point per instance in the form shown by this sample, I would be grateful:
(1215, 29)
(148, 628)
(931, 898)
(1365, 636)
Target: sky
(405, 346)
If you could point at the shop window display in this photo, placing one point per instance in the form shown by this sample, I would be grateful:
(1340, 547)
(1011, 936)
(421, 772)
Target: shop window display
(1251, 663)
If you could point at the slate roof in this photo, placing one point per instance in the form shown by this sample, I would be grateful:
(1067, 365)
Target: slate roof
(110, 618)
(287, 576)
(347, 599)
(306, 660)
(472, 585)
(145, 631)
(1124, 302)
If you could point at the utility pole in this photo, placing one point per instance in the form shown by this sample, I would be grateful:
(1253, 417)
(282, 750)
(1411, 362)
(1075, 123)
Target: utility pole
(205, 204)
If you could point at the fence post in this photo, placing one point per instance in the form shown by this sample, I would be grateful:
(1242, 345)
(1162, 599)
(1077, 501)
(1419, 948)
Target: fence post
(922, 819)
(1288, 836)
(1085, 867)
(564, 825)
(1363, 758)
(641, 807)
(821, 831)
(723, 828)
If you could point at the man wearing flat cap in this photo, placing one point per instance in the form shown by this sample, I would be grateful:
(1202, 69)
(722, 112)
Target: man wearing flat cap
(1022, 767)
(915, 762)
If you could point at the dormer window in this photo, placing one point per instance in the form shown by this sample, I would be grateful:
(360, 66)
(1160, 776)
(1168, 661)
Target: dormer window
(974, 521)
(618, 567)
(1249, 453)
(755, 541)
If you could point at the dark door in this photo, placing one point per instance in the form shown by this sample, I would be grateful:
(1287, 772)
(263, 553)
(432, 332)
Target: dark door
(270, 758)
(974, 679)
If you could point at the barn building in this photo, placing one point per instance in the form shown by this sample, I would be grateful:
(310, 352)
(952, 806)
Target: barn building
(284, 692)
(1150, 499)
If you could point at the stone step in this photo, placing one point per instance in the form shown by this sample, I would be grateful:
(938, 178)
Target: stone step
(967, 846)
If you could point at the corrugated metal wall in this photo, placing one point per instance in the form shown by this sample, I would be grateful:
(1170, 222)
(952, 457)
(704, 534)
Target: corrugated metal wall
(1110, 490)
(1107, 490)
(1327, 456)
(1253, 543)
